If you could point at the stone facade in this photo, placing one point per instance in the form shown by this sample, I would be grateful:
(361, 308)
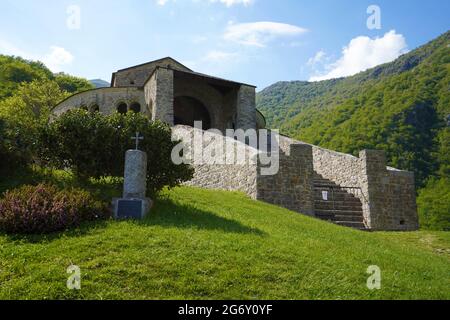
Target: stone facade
(137, 76)
(155, 88)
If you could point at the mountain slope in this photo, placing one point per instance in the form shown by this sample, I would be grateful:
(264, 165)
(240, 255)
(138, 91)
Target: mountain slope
(199, 244)
(401, 107)
(99, 83)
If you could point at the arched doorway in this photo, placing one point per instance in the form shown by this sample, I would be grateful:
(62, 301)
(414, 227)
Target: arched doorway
(187, 110)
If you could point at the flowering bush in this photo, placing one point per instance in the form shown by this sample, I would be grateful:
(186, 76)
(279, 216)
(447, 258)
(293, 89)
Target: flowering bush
(45, 209)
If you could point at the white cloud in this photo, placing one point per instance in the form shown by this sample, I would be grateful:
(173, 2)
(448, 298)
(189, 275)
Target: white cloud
(259, 34)
(363, 53)
(55, 59)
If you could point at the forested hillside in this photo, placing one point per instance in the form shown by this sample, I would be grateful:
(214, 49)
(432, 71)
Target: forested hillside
(401, 107)
(15, 71)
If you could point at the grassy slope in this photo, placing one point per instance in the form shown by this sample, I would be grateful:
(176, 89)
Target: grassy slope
(209, 244)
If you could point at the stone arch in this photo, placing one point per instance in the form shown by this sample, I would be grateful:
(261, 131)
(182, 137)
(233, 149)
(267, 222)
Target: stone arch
(211, 99)
(135, 107)
(187, 110)
(122, 107)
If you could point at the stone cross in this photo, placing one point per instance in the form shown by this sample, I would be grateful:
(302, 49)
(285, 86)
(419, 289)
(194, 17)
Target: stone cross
(137, 138)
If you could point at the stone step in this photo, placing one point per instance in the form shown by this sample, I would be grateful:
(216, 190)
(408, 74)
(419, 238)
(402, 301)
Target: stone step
(337, 204)
(339, 208)
(355, 225)
(349, 218)
(335, 196)
(336, 212)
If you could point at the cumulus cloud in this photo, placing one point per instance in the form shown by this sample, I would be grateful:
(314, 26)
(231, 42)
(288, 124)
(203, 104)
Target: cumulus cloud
(363, 53)
(55, 59)
(259, 34)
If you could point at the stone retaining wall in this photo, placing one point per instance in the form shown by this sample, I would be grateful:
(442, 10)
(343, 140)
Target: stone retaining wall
(290, 187)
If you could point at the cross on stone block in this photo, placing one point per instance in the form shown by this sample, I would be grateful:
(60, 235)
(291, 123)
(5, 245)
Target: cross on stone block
(137, 138)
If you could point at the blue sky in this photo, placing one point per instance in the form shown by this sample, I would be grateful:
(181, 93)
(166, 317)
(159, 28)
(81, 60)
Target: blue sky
(252, 41)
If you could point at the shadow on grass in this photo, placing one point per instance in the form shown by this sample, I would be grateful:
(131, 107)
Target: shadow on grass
(168, 213)
(84, 229)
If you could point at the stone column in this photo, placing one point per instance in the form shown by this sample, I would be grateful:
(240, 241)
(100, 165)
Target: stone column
(246, 108)
(161, 94)
(135, 177)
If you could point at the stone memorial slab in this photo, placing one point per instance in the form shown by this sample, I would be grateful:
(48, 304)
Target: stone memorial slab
(134, 204)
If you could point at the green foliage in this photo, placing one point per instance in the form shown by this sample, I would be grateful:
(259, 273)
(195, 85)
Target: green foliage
(15, 70)
(45, 209)
(24, 113)
(72, 84)
(401, 107)
(94, 145)
(434, 205)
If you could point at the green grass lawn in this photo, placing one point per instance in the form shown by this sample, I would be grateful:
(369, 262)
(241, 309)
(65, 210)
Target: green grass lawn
(199, 244)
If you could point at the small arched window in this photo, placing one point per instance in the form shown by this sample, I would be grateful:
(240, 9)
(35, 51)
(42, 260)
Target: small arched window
(122, 108)
(135, 107)
(94, 108)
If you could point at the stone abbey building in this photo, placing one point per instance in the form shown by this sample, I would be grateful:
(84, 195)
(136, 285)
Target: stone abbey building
(360, 192)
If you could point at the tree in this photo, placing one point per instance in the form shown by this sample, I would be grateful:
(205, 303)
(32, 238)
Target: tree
(72, 84)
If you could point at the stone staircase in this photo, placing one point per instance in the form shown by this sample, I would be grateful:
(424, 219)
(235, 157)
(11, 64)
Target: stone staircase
(341, 207)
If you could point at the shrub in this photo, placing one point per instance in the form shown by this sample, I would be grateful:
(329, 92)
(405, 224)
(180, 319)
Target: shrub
(94, 145)
(45, 209)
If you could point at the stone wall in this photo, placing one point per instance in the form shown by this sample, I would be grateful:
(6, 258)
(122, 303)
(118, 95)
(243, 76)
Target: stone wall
(220, 176)
(391, 194)
(290, 187)
(107, 99)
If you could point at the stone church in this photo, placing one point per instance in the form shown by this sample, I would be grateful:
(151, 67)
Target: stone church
(359, 192)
